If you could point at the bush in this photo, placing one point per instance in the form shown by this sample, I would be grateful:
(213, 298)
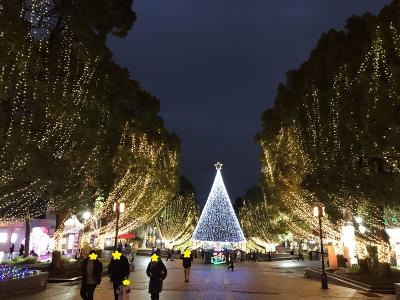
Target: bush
(18, 261)
(354, 269)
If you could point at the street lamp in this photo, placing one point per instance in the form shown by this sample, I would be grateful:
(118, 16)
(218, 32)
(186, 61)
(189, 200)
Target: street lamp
(320, 212)
(86, 215)
(118, 208)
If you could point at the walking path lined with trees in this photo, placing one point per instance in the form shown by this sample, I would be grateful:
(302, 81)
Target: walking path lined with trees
(276, 280)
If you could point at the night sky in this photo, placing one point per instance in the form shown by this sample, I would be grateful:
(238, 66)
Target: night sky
(215, 66)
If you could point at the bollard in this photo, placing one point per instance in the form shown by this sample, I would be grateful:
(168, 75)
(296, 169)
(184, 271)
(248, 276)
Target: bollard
(397, 287)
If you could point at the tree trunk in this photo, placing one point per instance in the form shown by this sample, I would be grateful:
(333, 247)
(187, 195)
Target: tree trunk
(384, 261)
(363, 266)
(56, 267)
(27, 237)
(60, 218)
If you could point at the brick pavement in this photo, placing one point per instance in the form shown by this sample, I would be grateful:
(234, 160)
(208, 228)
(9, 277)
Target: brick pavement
(249, 281)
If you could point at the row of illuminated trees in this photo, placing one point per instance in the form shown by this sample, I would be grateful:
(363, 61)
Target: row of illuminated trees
(332, 138)
(76, 132)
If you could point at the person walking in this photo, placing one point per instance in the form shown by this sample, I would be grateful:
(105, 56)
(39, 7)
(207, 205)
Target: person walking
(292, 254)
(169, 255)
(301, 256)
(187, 258)
(226, 255)
(11, 254)
(92, 270)
(118, 269)
(253, 256)
(157, 272)
(21, 250)
(231, 261)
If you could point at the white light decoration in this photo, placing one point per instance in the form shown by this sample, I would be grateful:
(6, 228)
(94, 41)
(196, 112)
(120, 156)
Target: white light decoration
(349, 241)
(362, 229)
(358, 220)
(40, 241)
(218, 221)
(72, 224)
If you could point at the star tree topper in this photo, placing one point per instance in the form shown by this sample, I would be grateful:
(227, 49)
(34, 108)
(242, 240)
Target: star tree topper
(218, 166)
(187, 253)
(154, 258)
(117, 255)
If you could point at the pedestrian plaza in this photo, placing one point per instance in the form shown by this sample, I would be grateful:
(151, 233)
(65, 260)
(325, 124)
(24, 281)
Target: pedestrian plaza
(253, 281)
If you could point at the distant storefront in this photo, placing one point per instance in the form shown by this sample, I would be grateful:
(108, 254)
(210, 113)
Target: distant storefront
(12, 232)
(71, 236)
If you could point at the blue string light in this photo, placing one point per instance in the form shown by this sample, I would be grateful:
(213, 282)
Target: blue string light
(7, 273)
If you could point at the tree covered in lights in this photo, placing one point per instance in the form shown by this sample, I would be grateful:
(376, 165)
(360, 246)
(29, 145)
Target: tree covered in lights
(341, 111)
(74, 126)
(261, 220)
(218, 221)
(179, 217)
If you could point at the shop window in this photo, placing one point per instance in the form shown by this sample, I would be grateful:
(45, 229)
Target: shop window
(14, 237)
(3, 237)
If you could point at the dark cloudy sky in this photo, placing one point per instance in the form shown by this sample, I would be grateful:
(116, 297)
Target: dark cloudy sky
(215, 66)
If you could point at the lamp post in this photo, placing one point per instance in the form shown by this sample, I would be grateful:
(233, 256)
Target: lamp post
(118, 208)
(320, 212)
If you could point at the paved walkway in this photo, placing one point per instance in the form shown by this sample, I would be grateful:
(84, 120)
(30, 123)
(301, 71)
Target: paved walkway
(249, 281)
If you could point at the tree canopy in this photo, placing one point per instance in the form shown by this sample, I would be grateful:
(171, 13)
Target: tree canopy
(74, 127)
(337, 119)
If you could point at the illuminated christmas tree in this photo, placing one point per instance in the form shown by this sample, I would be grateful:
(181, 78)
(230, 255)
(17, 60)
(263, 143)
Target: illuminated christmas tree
(218, 222)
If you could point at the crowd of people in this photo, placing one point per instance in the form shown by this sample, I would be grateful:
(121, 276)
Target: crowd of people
(119, 269)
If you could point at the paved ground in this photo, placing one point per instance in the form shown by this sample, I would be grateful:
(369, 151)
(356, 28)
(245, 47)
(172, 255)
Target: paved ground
(275, 280)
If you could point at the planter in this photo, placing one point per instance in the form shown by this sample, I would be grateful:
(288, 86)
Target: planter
(27, 285)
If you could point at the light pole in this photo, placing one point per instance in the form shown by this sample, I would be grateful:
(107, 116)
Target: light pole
(320, 212)
(118, 208)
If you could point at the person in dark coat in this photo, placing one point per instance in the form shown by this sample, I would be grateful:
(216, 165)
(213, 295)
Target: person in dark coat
(187, 258)
(254, 256)
(226, 254)
(118, 269)
(169, 255)
(157, 272)
(21, 250)
(10, 255)
(231, 264)
(92, 270)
